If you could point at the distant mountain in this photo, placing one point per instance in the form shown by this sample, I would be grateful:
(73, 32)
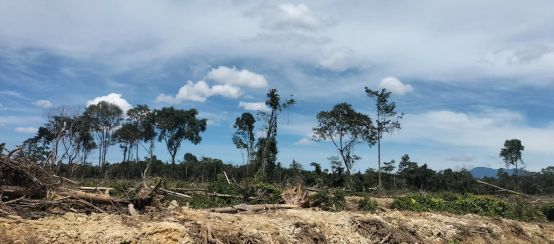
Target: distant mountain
(482, 172)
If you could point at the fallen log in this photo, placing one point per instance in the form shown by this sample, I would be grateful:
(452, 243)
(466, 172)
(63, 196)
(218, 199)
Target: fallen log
(174, 193)
(500, 188)
(90, 197)
(253, 208)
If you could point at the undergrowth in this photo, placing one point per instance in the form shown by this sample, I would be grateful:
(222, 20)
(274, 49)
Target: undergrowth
(328, 200)
(367, 204)
(470, 204)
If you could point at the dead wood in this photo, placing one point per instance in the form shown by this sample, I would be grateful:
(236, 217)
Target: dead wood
(253, 208)
(174, 193)
(89, 197)
(500, 188)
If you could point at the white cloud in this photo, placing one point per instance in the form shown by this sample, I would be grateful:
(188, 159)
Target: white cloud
(199, 92)
(254, 106)
(304, 141)
(42, 103)
(26, 130)
(395, 86)
(338, 60)
(486, 129)
(2, 107)
(294, 16)
(232, 76)
(114, 98)
(214, 118)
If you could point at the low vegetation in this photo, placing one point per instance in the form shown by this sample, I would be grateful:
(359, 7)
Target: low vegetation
(518, 209)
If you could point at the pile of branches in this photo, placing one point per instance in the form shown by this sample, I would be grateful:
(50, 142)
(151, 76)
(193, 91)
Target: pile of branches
(31, 190)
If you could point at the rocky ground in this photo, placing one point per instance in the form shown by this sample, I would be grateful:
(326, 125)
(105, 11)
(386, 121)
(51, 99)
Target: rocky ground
(183, 225)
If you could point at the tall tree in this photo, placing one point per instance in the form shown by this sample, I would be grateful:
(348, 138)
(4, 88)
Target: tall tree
(345, 128)
(386, 120)
(142, 117)
(104, 118)
(244, 134)
(512, 154)
(270, 117)
(176, 126)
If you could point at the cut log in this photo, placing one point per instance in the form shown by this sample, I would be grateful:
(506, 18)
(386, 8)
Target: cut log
(90, 197)
(253, 208)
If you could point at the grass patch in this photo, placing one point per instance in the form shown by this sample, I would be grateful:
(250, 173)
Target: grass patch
(470, 204)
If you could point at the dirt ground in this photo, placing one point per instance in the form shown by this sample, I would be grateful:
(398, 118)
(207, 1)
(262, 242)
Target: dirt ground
(183, 225)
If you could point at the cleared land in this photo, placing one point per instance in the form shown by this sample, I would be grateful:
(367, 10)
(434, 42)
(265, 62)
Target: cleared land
(183, 225)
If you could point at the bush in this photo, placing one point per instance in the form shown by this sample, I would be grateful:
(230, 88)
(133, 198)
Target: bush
(468, 203)
(548, 211)
(329, 201)
(367, 204)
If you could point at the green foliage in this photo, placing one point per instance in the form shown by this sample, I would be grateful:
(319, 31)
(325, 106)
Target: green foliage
(548, 211)
(367, 204)
(344, 127)
(263, 191)
(469, 203)
(244, 137)
(176, 126)
(328, 200)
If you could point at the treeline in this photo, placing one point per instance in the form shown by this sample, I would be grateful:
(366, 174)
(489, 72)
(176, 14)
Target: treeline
(404, 176)
(71, 134)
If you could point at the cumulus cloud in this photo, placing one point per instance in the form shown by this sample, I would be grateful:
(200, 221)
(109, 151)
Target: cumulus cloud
(199, 92)
(26, 130)
(254, 106)
(42, 103)
(232, 76)
(395, 86)
(114, 98)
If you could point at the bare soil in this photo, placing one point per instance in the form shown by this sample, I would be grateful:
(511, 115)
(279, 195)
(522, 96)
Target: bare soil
(183, 225)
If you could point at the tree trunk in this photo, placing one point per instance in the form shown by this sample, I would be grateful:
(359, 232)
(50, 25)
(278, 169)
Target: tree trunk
(379, 160)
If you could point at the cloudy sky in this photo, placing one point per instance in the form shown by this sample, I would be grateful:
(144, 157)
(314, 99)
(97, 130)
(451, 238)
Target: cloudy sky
(467, 74)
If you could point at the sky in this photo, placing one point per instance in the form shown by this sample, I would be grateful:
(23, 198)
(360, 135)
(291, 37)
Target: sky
(467, 74)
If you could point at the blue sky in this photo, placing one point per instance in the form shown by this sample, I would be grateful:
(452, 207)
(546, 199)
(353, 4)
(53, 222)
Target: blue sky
(467, 74)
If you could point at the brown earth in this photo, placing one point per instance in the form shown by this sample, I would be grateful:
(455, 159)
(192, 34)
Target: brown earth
(287, 226)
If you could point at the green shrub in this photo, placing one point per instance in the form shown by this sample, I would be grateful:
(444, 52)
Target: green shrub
(468, 203)
(367, 204)
(329, 201)
(548, 211)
